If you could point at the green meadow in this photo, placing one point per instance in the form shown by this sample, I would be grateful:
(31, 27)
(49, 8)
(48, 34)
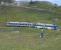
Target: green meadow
(20, 38)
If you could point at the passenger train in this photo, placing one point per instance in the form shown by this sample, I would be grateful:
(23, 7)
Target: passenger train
(19, 24)
(46, 26)
(33, 25)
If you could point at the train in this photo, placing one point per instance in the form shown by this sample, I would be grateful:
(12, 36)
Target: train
(33, 25)
(19, 24)
(46, 26)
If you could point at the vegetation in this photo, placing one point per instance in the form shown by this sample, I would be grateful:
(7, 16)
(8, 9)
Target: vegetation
(20, 38)
(9, 1)
(46, 5)
(22, 14)
(29, 39)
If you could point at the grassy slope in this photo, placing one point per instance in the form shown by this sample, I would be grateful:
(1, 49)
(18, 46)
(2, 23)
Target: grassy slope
(22, 14)
(27, 38)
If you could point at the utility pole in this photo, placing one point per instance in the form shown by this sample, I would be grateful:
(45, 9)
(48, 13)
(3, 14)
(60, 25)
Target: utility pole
(42, 32)
(42, 36)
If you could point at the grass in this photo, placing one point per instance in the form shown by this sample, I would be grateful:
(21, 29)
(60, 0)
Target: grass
(22, 14)
(27, 38)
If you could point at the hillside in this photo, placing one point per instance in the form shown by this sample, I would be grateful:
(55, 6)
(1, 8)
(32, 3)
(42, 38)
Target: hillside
(20, 38)
(23, 14)
(46, 5)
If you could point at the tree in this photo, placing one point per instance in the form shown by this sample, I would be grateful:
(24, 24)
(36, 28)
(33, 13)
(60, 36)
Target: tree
(0, 1)
(9, 1)
(31, 1)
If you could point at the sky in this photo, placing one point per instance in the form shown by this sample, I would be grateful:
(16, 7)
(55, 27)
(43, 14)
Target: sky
(53, 1)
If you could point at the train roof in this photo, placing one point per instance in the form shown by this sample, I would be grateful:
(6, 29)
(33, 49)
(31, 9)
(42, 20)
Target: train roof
(20, 22)
(45, 24)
